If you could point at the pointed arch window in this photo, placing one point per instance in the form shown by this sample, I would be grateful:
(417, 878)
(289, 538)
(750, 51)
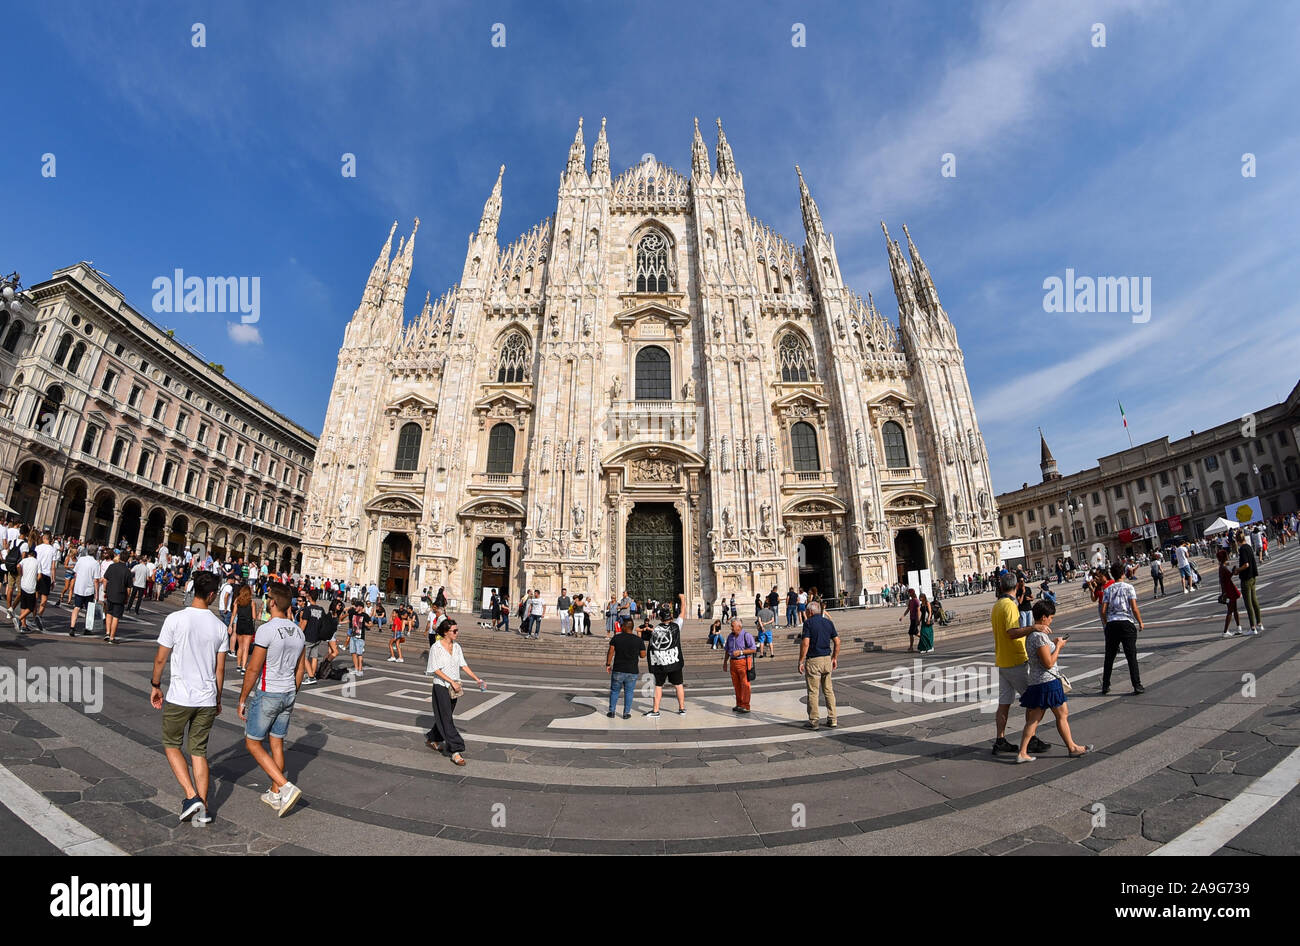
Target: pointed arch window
(652, 264)
(794, 358)
(501, 449)
(803, 444)
(408, 447)
(654, 375)
(895, 446)
(512, 363)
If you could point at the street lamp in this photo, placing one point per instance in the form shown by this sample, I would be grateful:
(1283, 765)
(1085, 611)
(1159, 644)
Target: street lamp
(1190, 492)
(11, 288)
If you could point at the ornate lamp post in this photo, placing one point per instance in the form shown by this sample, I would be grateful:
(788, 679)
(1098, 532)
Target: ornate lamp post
(1188, 490)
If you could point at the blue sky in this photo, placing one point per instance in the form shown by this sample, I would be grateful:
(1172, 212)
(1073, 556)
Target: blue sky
(1116, 161)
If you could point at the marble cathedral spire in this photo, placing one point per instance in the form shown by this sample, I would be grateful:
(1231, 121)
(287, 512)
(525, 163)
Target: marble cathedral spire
(600, 156)
(399, 277)
(577, 166)
(374, 292)
(699, 155)
(812, 218)
(726, 163)
(927, 295)
(902, 275)
(487, 225)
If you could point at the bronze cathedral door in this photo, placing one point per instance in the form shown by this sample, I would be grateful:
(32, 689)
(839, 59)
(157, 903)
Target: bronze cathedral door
(654, 553)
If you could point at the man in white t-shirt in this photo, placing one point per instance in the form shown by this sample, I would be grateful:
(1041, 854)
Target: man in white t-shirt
(273, 675)
(14, 554)
(536, 608)
(85, 578)
(224, 600)
(194, 643)
(46, 554)
(28, 572)
(105, 559)
(139, 582)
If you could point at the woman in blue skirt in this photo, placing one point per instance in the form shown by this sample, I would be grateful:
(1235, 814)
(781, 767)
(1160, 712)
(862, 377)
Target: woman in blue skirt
(1045, 691)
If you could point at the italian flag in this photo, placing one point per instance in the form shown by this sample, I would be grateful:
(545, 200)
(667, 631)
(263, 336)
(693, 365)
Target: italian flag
(1122, 414)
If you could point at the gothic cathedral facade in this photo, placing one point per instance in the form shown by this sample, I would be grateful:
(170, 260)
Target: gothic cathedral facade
(649, 391)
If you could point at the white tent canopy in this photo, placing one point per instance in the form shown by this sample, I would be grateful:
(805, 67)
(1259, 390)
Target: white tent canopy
(1221, 525)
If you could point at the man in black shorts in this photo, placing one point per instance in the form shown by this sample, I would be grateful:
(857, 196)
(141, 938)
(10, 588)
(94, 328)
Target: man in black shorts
(117, 586)
(665, 655)
(310, 619)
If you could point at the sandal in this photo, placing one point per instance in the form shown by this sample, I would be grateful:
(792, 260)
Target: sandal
(458, 759)
(1028, 758)
(1086, 750)
(433, 745)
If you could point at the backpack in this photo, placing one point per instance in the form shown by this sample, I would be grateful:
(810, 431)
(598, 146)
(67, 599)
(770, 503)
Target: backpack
(13, 557)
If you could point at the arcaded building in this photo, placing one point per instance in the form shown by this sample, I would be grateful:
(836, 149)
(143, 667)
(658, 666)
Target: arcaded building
(115, 429)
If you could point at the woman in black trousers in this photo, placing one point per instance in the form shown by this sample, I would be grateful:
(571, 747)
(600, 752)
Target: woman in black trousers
(446, 663)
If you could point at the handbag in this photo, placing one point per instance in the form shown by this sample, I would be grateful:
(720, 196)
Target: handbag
(1065, 682)
(751, 674)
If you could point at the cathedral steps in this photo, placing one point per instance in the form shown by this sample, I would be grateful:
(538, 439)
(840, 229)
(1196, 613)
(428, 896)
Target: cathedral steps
(484, 644)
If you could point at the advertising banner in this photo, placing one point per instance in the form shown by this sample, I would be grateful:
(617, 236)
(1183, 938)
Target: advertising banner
(1245, 512)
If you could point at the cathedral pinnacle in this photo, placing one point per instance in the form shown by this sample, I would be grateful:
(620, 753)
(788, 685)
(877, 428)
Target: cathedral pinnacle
(726, 163)
(812, 218)
(487, 225)
(926, 295)
(577, 155)
(374, 293)
(699, 154)
(399, 275)
(600, 155)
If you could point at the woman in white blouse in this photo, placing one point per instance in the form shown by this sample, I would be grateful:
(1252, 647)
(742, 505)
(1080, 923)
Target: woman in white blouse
(445, 664)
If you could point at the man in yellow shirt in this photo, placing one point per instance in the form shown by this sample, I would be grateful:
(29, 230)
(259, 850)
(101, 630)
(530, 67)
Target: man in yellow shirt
(1012, 661)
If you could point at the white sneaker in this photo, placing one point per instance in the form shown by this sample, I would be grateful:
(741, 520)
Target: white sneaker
(272, 798)
(392, 660)
(401, 660)
(289, 795)
(1259, 628)
(1253, 632)
(1227, 634)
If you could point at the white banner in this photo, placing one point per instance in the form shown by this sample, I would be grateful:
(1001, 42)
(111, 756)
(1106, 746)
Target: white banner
(1244, 512)
(920, 582)
(1012, 548)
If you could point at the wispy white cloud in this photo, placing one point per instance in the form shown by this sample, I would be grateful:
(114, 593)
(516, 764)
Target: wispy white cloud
(242, 334)
(983, 99)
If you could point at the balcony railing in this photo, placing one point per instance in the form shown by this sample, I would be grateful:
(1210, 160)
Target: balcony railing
(894, 474)
(806, 478)
(497, 481)
(405, 479)
(660, 420)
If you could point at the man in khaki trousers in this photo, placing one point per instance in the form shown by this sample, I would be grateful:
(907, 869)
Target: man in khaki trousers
(819, 655)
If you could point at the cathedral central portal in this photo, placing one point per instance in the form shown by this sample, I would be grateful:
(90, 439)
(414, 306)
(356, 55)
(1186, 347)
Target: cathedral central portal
(654, 552)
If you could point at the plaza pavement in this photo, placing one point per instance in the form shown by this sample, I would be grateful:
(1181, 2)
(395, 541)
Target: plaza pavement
(1196, 760)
